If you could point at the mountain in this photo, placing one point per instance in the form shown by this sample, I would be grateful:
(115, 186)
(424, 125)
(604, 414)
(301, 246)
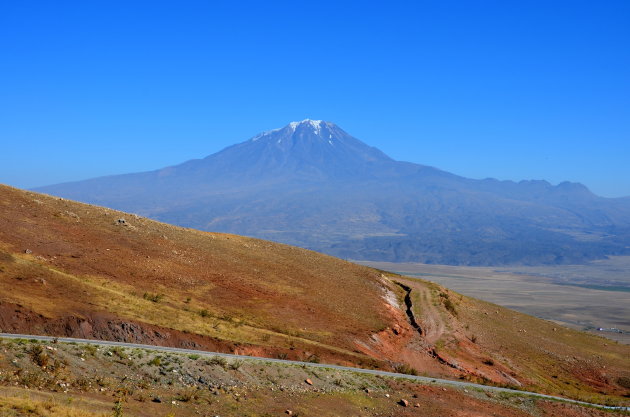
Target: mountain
(72, 269)
(313, 185)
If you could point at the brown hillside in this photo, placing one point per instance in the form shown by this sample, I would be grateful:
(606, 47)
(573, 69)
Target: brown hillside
(73, 269)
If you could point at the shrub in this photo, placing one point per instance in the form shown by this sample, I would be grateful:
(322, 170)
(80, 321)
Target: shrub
(403, 368)
(448, 304)
(118, 408)
(204, 313)
(157, 361)
(118, 351)
(217, 360)
(156, 298)
(624, 381)
(187, 395)
(90, 349)
(38, 355)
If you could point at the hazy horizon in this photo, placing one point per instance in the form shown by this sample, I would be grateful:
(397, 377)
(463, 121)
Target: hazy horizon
(202, 156)
(491, 90)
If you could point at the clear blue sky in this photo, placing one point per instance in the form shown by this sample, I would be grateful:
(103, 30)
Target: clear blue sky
(505, 89)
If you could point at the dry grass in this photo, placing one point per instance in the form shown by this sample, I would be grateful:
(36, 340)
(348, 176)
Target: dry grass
(264, 298)
(539, 354)
(29, 406)
(254, 292)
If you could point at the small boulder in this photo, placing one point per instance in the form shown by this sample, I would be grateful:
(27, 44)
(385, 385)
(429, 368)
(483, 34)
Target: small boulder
(404, 402)
(289, 412)
(156, 400)
(308, 381)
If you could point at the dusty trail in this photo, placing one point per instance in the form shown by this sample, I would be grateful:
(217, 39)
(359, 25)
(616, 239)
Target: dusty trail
(431, 320)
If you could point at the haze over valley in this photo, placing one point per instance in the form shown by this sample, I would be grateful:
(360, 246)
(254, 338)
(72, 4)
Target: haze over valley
(313, 185)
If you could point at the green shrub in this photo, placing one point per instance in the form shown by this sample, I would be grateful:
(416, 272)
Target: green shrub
(217, 360)
(157, 361)
(90, 349)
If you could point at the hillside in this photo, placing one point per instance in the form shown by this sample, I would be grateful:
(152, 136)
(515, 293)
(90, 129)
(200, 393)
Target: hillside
(313, 185)
(73, 269)
(78, 380)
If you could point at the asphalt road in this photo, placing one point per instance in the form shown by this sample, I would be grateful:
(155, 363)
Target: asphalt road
(422, 379)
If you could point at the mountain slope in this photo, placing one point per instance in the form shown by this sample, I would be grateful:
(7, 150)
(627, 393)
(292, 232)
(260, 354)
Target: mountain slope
(146, 383)
(311, 184)
(71, 269)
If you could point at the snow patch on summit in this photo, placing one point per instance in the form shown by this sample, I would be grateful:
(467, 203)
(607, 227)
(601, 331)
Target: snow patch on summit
(315, 124)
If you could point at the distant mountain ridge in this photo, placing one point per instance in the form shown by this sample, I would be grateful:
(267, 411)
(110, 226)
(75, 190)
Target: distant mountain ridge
(311, 184)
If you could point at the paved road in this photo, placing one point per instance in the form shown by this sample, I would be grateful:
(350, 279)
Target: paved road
(423, 379)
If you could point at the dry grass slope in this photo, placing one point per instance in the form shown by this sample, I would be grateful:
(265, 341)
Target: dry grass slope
(78, 270)
(64, 259)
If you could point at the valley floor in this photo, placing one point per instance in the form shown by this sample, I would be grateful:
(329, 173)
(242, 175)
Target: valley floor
(584, 297)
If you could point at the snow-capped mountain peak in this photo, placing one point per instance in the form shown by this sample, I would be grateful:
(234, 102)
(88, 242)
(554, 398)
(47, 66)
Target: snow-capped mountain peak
(315, 124)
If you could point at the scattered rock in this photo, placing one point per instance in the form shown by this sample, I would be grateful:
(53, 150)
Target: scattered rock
(308, 381)
(386, 395)
(416, 405)
(28, 251)
(71, 214)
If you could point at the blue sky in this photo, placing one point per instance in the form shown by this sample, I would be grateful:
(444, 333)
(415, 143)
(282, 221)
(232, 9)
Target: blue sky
(510, 90)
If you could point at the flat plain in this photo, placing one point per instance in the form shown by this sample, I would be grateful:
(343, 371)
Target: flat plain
(585, 297)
